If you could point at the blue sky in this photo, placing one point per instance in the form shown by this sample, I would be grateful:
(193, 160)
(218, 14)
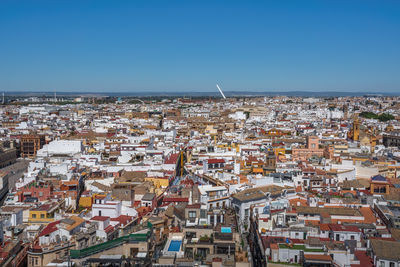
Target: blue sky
(128, 46)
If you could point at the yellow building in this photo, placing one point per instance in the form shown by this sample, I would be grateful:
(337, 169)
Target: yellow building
(359, 159)
(158, 182)
(258, 171)
(86, 201)
(379, 185)
(43, 214)
(340, 148)
(393, 171)
(356, 129)
(279, 151)
(373, 143)
(389, 128)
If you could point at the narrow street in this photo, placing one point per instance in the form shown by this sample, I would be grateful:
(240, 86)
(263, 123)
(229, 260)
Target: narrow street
(255, 248)
(15, 171)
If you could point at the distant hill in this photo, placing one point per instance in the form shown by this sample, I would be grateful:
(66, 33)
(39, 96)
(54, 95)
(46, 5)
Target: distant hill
(205, 94)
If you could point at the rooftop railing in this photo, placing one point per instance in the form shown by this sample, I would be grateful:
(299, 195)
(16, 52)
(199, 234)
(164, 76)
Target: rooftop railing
(132, 238)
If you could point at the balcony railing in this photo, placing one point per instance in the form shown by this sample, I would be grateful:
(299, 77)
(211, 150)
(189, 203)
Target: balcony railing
(223, 236)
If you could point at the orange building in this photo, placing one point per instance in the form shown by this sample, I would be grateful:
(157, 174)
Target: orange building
(379, 185)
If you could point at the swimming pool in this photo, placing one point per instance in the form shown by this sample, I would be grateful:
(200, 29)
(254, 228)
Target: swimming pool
(226, 230)
(175, 245)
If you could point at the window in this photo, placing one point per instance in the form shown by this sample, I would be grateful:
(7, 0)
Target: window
(246, 212)
(352, 237)
(34, 216)
(203, 214)
(391, 264)
(192, 214)
(42, 216)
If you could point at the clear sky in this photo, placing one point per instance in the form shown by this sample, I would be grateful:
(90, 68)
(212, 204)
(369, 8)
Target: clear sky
(168, 45)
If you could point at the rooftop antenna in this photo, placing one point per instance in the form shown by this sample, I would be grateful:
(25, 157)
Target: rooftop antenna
(3, 99)
(55, 96)
(223, 96)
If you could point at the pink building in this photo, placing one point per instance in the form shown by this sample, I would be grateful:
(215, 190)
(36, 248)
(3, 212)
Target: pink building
(312, 149)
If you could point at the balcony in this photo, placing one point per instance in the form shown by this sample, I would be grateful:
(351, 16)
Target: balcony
(217, 196)
(50, 247)
(205, 240)
(223, 237)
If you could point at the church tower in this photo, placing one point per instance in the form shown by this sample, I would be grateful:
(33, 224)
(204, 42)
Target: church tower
(356, 129)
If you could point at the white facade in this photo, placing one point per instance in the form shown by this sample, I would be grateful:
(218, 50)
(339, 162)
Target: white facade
(61, 147)
(110, 209)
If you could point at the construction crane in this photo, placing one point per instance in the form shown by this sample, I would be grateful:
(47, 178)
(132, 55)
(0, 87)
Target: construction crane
(222, 93)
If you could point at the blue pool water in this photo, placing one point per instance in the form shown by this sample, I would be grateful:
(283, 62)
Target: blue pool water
(175, 245)
(226, 230)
